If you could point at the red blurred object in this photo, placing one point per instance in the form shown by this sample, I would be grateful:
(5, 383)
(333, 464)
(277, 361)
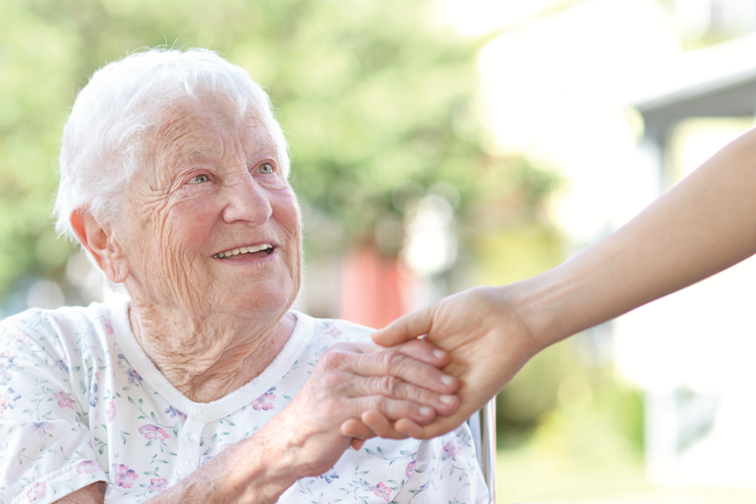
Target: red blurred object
(374, 288)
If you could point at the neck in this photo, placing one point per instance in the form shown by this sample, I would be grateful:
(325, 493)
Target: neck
(208, 358)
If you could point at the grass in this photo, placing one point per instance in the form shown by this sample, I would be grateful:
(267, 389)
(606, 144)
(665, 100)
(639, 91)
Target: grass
(527, 476)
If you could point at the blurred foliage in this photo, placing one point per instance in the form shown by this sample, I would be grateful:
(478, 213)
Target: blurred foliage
(378, 100)
(591, 403)
(563, 405)
(511, 241)
(515, 252)
(587, 447)
(534, 392)
(510, 229)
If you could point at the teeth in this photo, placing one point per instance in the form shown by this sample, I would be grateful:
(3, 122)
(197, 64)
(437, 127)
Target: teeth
(244, 250)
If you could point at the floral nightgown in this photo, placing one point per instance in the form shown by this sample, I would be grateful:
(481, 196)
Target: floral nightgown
(81, 402)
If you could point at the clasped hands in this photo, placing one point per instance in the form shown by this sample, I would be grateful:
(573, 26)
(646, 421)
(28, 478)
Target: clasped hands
(410, 385)
(474, 342)
(355, 392)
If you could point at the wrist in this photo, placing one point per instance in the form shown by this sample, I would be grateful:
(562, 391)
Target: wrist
(264, 468)
(540, 305)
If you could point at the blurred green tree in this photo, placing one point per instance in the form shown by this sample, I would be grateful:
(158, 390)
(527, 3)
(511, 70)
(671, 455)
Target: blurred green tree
(378, 100)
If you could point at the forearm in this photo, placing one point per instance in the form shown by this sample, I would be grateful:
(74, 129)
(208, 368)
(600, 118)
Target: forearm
(705, 224)
(248, 472)
(255, 470)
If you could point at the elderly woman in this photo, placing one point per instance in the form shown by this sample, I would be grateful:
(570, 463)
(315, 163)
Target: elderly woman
(202, 386)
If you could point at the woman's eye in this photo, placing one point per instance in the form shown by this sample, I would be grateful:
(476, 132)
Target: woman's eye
(200, 179)
(266, 168)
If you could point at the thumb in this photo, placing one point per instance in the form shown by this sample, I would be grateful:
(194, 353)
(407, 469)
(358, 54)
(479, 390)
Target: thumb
(406, 327)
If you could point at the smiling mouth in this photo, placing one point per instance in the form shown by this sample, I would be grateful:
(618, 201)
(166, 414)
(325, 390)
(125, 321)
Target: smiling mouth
(263, 250)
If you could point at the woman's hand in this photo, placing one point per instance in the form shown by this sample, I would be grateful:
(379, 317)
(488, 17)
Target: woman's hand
(349, 379)
(304, 439)
(702, 226)
(486, 339)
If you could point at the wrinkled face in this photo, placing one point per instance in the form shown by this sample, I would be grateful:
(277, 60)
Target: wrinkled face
(211, 224)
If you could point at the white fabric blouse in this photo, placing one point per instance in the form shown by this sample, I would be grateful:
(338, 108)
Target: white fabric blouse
(81, 402)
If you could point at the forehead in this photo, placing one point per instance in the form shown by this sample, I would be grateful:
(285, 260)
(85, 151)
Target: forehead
(209, 125)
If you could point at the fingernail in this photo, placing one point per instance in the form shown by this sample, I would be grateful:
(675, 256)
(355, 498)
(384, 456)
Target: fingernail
(447, 380)
(426, 411)
(447, 399)
(439, 354)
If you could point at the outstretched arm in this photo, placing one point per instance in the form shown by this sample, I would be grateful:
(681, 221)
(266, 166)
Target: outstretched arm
(702, 226)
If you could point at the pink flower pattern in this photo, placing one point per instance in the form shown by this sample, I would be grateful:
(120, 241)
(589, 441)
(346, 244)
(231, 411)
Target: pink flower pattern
(87, 467)
(158, 485)
(111, 411)
(63, 400)
(108, 325)
(39, 428)
(37, 491)
(265, 401)
(334, 332)
(410, 469)
(133, 376)
(123, 475)
(153, 432)
(451, 450)
(22, 338)
(381, 490)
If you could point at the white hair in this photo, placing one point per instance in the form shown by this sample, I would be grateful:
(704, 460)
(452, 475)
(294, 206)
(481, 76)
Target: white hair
(104, 137)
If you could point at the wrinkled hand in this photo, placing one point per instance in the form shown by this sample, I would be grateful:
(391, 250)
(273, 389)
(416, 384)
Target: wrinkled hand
(351, 378)
(487, 341)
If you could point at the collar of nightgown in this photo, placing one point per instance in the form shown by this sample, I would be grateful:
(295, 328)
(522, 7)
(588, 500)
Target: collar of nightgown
(230, 403)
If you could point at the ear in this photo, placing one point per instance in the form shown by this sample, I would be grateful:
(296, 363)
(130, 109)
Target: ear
(98, 241)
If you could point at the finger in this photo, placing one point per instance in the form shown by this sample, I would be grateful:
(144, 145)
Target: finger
(404, 328)
(394, 363)
(418, 349)
(393, 409)
(425, 351)
(354, 428)
(357, 443)
(441, 425)
(396, 388)
(380, 425)
(408, 428)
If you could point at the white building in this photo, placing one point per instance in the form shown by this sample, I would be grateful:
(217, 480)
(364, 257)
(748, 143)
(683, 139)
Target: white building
(693, 352)
(563, 88)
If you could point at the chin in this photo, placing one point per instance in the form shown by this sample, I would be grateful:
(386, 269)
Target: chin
(261, 300)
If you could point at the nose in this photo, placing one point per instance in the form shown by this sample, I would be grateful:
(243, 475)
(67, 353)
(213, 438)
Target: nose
(246, 201)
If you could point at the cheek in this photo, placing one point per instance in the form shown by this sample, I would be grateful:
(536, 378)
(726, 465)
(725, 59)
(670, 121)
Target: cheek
(286, 211)
(187, 228)
(289, 219)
